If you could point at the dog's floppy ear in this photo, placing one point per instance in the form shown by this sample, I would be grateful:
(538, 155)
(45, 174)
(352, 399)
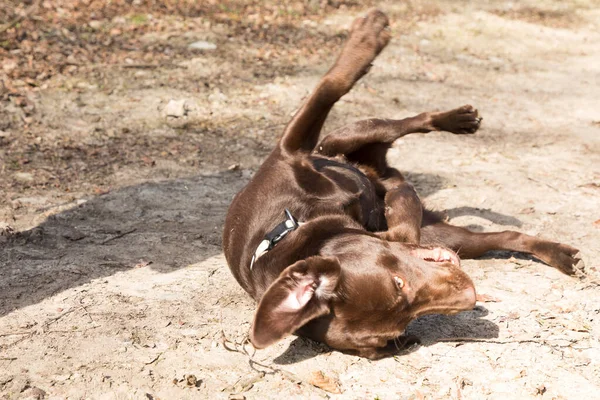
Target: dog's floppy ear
(301, 293)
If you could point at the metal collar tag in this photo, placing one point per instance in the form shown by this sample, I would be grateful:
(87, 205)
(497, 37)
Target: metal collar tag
(290, 224)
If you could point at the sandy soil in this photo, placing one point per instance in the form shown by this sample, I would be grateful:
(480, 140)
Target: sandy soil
(112, 280)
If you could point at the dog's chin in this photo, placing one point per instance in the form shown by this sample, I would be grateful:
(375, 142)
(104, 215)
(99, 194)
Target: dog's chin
(463, 300)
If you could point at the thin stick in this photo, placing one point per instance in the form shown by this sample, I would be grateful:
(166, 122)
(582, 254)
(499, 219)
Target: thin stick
(53, 320)
(14, 334)
(30, 10)
(85, 310)
(120, 235)
(241, 348)
(477, 340)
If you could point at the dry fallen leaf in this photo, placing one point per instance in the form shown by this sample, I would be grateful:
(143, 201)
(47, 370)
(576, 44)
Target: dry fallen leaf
(527, 210)
(321, 381)
(591, 186)
(539, 389)
(100, 191)
(142, 264)
(371, 90)
(245, 384)
(597, 223)
(191, 380)
(486, 298)
(148, 161)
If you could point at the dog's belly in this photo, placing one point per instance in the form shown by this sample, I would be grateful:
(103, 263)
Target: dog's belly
(363, 204)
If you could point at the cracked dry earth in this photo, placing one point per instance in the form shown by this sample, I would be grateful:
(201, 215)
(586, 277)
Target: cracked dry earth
(118, 289)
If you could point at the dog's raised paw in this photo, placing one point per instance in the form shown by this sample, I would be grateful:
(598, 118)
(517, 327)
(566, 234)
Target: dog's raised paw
(368, 36)
(461, 121)
(372, 30)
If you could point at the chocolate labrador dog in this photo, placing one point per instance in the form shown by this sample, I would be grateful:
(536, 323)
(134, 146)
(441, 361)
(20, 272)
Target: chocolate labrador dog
(335, 245)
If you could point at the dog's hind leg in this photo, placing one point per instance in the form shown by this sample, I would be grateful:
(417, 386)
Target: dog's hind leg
(435, 232)
(368, 36)
(366, 142)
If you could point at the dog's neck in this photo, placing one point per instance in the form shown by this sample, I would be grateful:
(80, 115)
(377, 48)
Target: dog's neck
(273, 237)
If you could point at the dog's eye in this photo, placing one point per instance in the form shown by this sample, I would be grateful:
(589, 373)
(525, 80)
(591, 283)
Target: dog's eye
(399, 282)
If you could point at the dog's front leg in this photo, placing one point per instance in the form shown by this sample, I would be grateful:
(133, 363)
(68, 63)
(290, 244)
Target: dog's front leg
(404, 214)
(368, 36)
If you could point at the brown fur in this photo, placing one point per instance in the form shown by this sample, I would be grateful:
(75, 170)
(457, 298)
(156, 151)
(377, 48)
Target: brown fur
(363, 264)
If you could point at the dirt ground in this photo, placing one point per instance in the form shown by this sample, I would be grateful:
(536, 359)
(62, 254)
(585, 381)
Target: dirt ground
(112, 280)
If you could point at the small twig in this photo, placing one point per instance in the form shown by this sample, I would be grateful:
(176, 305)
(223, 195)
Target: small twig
(152, 66)
(120, 235)
(86, 311)
(44, 328)
(141, 66)
(133, 66)
(14, 334)
(71, 331)
(543, 183)
(53, 320)
(477, 340)
(10, 24)
(8, 358)
(19, 340)
(240, 347)
(155, 359)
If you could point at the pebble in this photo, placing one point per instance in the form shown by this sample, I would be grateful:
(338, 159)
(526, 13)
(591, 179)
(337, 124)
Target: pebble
(202, 45)
(175, 108)
(23, 176)
(95, 24)
(72, 234)
(539, 389)
(191, 380)
(9, 65)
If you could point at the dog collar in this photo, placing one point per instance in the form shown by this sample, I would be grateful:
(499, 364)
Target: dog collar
(290, 224)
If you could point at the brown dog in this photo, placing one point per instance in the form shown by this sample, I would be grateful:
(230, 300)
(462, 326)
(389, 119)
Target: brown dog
(356, 258)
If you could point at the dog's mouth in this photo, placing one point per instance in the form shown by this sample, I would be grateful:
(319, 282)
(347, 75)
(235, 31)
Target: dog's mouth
(436, 255)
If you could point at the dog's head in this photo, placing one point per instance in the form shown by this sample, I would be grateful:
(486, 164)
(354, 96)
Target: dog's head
(369, 291)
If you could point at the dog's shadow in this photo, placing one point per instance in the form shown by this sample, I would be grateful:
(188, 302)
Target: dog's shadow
(430, 329)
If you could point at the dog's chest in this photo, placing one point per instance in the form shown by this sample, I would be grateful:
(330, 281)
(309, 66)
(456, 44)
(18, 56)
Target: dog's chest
(360, 199)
